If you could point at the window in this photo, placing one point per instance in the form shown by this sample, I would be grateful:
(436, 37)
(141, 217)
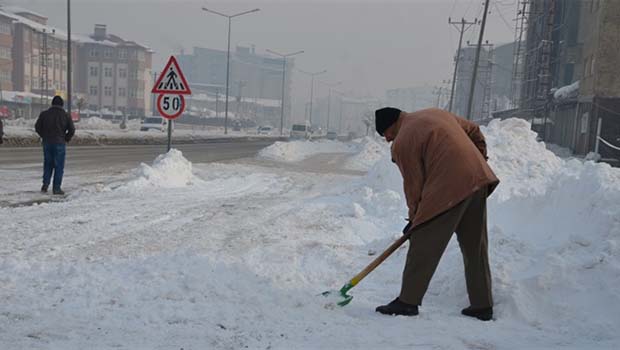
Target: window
(122, 73)
(133, 74)
(64, 65)
(107, 71)
(94, 71)
(35, 60)
(93, 91)
(93, 52)
(5, 52)
(35, 83)
(122, 54)
(107, 53)
(107, 90)
(56, 64)
(122, 92)
(5, 75)
(133, 92)
(5, 28)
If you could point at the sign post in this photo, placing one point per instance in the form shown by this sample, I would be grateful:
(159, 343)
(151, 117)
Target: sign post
(171, 86)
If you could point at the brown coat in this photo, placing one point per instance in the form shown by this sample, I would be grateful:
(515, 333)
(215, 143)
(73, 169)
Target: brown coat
(442, 159)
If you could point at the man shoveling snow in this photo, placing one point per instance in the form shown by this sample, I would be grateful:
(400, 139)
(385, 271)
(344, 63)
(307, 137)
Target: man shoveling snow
(447, 180)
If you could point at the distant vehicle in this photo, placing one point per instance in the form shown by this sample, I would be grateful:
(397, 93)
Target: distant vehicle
(300, 131)
(331, 135)
(236, 126)
(154, 123)
(265, 130)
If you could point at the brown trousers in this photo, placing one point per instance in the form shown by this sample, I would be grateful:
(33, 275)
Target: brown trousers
(429, 240)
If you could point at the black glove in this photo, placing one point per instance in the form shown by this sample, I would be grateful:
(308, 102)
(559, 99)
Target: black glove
(406, 229)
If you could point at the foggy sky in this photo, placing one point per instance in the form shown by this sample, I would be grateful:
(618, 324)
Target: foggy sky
(370, 46)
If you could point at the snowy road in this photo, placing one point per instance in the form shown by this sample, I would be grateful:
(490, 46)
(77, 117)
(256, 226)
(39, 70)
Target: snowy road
(126, 157)
(232, 255)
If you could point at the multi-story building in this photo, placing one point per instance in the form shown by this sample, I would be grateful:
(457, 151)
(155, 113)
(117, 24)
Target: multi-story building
(39, 53)
(252, 77)
(110, 74)
(571, 82)
(6, 48)
(114, 74)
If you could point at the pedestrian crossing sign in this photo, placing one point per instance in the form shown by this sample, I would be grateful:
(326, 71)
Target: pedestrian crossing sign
(171, 80)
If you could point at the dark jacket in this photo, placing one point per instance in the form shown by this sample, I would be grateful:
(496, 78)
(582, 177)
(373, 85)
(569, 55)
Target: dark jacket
(1, 132)
(54, 126)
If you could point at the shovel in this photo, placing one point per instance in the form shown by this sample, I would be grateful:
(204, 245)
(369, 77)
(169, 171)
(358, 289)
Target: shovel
(340, 297)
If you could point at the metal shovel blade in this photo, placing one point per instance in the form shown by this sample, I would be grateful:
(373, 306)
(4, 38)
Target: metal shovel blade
(336, 297)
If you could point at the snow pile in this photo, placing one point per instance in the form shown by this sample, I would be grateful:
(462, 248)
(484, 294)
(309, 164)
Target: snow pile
(19, 122)
(524, 166)
(369, 152)
(95, 123)
(170, 170)
(295, 151)
(567, 91)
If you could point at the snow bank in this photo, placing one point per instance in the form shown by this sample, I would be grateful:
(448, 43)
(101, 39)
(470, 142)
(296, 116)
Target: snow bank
(524, 165)
(170, 170)
(369, 152)
(295, 151)
(95, 123)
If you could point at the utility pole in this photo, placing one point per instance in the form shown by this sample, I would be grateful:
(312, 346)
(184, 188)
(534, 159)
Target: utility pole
(462, 29)
(473, 78)
(69, 58)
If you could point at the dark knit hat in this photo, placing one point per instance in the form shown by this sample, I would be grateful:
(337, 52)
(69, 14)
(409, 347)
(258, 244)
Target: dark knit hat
(57, 101)
(385, 117)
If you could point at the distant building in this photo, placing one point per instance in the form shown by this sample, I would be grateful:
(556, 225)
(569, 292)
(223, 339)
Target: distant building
(253, 77)
(39, 53)
(481, 105)
(410, 99)
(114, 74)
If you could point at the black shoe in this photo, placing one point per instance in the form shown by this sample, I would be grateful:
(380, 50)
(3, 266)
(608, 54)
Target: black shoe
(44, 188)
(59, 192)
(397, 307)
(483, 314)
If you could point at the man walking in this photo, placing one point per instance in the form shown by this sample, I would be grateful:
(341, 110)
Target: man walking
(442, 159)
(56, 129)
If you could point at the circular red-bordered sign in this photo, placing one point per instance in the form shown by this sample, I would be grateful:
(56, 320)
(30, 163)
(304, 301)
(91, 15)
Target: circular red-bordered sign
(170, 106)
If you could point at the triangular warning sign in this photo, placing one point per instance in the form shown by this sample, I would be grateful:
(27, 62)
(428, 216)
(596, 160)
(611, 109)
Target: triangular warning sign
(171, 80)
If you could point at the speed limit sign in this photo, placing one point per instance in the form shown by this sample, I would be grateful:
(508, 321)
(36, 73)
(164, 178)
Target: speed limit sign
(170, 106)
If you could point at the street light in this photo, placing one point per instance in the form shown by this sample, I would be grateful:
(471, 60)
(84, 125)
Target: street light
(284, 56)
(329, 99)
(312, 88)
(230, 17)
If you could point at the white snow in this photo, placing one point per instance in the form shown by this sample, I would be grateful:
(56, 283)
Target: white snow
(235, 255)
(295, 151)
(566, 91)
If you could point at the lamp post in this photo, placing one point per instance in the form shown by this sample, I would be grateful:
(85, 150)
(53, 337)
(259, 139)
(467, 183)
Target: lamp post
(312, 89)
(329, 100)
(284, 56)
(69, 58)
(230, 17)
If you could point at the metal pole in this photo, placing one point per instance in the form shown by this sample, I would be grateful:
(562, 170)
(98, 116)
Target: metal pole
(311, 97)
(458, 57)
(227, 78)
(598, 134)
(329, 102)
(169, 133)
(473, 78)
(69, 58)
(282, 101)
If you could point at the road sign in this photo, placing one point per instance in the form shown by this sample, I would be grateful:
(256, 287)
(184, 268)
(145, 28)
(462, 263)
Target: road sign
(170, 106)
(171, 80)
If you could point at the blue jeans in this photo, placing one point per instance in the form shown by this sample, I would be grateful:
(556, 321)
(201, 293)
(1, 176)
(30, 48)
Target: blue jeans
(53, 160)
